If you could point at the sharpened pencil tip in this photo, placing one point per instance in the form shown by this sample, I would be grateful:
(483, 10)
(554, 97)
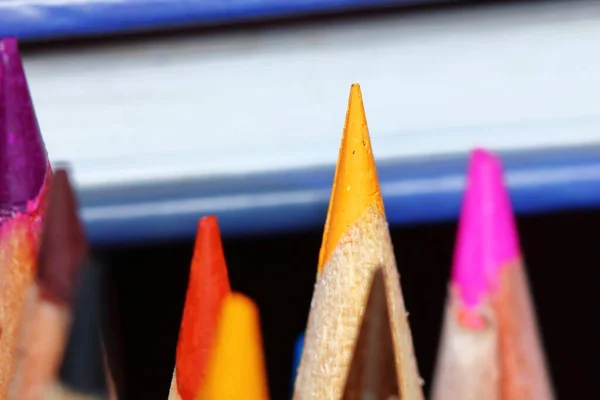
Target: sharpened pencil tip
(208, 286)
(82, 370)
(236, 368)
(373, 374)
(487, 237)
(63, 245)
(355, 186)
(23, 159)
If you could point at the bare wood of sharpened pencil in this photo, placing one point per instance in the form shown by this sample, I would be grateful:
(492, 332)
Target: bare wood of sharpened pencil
(47, 311)
(372, 374)
(467, 366)
(57, 392)
(503, 361)
(110, 383)
(524, 372)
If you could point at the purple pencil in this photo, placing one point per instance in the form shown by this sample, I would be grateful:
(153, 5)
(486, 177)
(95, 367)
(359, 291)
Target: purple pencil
(24, 176)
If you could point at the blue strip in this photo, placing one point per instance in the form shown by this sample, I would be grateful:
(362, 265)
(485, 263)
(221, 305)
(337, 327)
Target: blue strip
(297, 355)
(414, 191)
(26, 20)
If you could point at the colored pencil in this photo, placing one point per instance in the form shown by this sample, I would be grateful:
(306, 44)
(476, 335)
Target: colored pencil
(110, 382)
(24, 175)
(235, 368)
(356, 240)
(82, 371)
(112, 337)
(490, 348)
(47, 312)
(372, 374)
(208, 285)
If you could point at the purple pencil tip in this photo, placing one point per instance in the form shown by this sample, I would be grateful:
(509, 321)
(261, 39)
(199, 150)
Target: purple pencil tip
(23, 159)
(487, 237)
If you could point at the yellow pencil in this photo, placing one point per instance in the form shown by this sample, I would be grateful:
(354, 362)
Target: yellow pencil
(356, 241)
(236, 368)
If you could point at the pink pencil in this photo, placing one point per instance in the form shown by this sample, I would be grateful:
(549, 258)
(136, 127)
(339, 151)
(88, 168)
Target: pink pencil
(490, 348)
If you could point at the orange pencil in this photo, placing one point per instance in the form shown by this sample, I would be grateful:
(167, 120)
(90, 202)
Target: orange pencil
(490, 347)
(208, 285)
(356, 241)
(236, 368)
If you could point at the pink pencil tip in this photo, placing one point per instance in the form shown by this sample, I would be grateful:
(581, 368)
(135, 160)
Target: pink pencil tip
(487, 237)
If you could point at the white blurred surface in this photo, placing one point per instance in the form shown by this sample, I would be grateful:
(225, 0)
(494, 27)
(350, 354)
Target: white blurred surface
(507, 77)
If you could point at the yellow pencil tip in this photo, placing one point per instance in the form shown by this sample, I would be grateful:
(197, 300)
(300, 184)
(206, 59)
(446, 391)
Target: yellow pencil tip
(355, 184)
(236, 367)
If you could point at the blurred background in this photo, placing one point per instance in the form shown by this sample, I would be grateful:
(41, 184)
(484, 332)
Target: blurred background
(171, 110)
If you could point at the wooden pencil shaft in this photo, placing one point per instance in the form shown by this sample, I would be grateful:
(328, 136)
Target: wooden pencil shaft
(372, 374)
(524, 372)
(173, 391)
(42, 342)
(467, 367)
(17, 270)
(61, 392)
(505, 361)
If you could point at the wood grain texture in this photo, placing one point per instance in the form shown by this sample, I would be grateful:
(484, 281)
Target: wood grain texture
(42, 342)
(173, 391)
(373, 374)
(337, 309)
(524, 374)
(467, 366)
(19, 241)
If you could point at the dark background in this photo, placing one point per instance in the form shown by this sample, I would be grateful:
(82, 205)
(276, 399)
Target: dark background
(562, 252)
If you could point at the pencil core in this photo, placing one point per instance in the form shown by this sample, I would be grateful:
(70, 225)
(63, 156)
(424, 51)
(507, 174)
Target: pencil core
(236, 368)
(23, 159)
(487, 237)
(355, 186)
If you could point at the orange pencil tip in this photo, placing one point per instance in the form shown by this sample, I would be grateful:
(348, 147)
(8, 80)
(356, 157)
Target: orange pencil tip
(355, 186)
(236, 367)
(208, 286)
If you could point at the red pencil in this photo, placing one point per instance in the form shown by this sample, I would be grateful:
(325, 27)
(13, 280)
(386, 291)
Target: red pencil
(208, 287)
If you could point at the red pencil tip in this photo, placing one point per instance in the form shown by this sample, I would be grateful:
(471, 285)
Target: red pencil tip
(23, 159)
(63, 247)
(487, 237)
(207, 288)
